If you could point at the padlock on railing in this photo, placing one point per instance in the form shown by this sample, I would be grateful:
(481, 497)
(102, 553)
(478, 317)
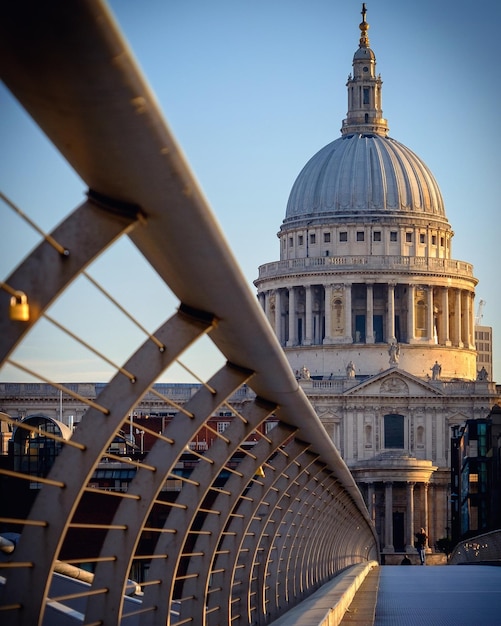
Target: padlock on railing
(19, 307)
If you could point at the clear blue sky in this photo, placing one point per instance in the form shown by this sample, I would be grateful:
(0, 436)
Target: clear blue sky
(251, 90)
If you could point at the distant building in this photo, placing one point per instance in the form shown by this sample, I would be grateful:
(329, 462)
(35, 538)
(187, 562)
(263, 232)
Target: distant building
(476, 476)
(375, 315)
(33, 450)
(483, 345)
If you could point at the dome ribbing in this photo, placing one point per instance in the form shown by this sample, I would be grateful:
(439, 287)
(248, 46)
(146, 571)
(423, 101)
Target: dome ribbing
(364, 174)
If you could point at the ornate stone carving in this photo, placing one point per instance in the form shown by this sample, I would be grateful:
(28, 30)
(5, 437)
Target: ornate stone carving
(395, 386)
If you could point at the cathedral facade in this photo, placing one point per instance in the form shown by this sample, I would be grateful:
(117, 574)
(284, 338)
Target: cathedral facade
(375, 315)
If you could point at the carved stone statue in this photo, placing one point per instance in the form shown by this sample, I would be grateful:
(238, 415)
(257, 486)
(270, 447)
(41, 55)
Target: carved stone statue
(350, 370)
(436, 370)
(482, 374)
(305, 373)
(394, 352)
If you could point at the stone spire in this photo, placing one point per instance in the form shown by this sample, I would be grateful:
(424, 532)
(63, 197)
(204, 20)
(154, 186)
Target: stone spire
(365, 115)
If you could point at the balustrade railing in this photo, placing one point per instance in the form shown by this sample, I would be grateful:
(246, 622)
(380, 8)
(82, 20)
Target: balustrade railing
(384, 263)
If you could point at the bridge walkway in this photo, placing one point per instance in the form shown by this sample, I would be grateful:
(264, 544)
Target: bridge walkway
(454, 595)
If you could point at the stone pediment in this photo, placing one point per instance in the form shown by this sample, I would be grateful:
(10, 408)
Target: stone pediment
(394, 382)
(325, 413)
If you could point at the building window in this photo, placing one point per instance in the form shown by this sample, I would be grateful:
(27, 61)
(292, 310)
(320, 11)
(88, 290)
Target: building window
(366, 95)
(222, 426)
(377, 235)
(33, 452)
(393, 235)
(394, 431)
(300, 240)
(422, 238)
(360, 235)
(343, 236)
(313, 238)
(327, 237)
(408, 237)
(442, 242)
(291, 242)
(433, 240)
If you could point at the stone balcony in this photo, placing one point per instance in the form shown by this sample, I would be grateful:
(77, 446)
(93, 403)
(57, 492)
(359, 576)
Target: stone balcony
(384, 263)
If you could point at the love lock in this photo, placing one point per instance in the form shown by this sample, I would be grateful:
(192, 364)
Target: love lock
(19, 307)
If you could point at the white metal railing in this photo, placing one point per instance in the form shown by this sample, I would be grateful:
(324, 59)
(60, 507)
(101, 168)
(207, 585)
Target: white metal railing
(246, 532)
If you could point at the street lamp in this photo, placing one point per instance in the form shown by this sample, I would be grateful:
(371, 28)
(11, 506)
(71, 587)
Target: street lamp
(141, 434)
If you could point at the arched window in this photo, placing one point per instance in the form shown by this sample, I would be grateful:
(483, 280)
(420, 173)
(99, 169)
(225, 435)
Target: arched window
(34, 452)
(394, 431)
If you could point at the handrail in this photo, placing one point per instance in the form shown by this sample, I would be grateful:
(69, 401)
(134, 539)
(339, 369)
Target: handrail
(235, 541)
(481, 549)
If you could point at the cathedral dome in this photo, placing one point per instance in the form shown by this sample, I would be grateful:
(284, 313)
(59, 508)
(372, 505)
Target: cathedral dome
(363, 174)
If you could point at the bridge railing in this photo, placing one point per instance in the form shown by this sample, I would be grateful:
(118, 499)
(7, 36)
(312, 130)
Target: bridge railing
(483, 548)
(241, 533)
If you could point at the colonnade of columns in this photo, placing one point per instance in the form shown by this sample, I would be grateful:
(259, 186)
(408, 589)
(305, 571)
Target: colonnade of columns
(411, 512)
(435, 315)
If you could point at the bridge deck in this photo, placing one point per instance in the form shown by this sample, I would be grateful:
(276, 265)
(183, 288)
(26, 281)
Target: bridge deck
(455, 595)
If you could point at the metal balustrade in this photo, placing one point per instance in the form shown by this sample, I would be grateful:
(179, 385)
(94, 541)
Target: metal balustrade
(250, 530)
(481, 549)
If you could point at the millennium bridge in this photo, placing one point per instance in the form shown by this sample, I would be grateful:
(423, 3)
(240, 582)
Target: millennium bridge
(268, 526)
(237, 544)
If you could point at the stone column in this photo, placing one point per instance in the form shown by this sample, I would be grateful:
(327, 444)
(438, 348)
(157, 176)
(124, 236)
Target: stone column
(410, 518)
(472, 320)
(425, 511)
(292, 318)
(430, 322)
(328, 313)
(278, 315)
(308, 331)
(369, 317)
(347, 311)
(467, 321)
(390, 322)
(388, 517)
(410, 314)
(457, 320)
(432, 526)
(445, 339)
(267, 307)
(261, 299)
